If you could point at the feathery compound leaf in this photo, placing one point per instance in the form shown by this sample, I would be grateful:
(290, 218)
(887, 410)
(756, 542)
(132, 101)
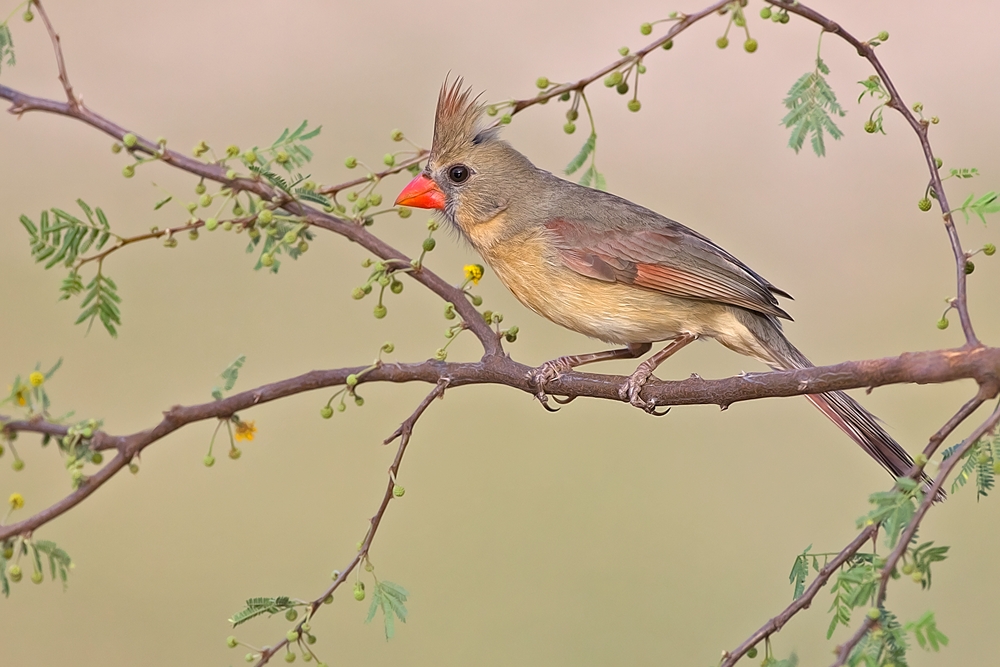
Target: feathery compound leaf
(257, 606)
(6, 48)
(314, 197)
(800, 570)
(581, 157)
(810, 103)
(232, 372)
(390, 598)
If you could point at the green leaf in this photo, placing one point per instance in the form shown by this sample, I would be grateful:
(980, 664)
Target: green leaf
(160, 204)
(810, 103)
(581, 157)
(232, 372)
(258, 606)
(800, 570)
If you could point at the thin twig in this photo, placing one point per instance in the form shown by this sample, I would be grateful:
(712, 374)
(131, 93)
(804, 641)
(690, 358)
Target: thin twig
(60, 62)
(404, 432)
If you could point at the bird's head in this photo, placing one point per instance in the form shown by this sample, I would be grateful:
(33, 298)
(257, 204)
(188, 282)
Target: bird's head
(471, 175)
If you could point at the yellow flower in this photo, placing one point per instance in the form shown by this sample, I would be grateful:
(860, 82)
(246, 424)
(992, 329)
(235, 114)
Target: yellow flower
(36, 379)
(473, 272)
(16, 501)
(245, 430)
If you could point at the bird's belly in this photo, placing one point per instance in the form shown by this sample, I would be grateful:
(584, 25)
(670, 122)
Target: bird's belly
(611, 312)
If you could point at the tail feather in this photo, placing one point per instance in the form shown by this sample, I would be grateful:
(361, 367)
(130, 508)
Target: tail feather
(859, 424)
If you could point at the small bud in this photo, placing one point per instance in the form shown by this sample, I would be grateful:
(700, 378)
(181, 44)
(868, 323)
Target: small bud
(428, 244)
(170, 242)
(882, 36)
(232, 150)
(613, 79)
(441, 354)
(205, 200)
(211, 224)
(289, 238)
(477, 300)
(542, 83)
(634, 105)
(969, 267)
(303, 246)
(351, 162)
(398, 491)
(924, 204)
(267, 259)
(209, 461)
(375, 199)
(227, 225)
(230, 174)
(235, 453)
(722, 42)
(640, 68)
(942, 323)
(404, 212)
(918, 107)
(380, 311)
(28, 16)
(646, 29)
(14, 572)
(129, 140)
(750, 45)
(128, 171)
(505, 119)
(359, 591)
(765, 13)
(116, 147)
(389, 159)
(265, 217)
(291, 615)
(282, 157)
(622, 88)
(623, 51)
(783, 18)
(569, 128)
(250, 657)
(193, 235)
(491, 110)
(935, 120)
(133, 468)
(564, 97)
(874, 614)
(250, 157)
(231, 641)
(326, 412)
(667, 45)
(989, 249)
(938, 162)
(870, 126)
(396, 287)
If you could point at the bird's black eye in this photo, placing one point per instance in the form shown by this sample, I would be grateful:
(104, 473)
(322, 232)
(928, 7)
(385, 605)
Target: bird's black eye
(458, 173)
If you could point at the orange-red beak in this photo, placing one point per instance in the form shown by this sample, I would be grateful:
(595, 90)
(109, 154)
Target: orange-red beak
(422, 192)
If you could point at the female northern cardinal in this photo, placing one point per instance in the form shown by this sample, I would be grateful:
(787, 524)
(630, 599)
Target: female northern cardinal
(605, 267)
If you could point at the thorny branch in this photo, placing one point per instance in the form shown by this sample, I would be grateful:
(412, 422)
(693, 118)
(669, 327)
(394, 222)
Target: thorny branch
(971, 361)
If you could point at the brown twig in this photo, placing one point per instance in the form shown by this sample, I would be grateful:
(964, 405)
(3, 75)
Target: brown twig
(378, 176)
(57, 48)
(403, 433)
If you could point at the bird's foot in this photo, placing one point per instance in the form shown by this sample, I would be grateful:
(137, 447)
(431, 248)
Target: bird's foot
(632, 388)
(547, 372)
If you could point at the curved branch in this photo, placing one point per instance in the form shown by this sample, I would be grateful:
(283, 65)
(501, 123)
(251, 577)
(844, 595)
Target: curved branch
(981, 364)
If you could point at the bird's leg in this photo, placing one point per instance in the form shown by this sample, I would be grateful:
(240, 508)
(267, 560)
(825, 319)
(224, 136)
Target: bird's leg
(633, 386)
(551, 370)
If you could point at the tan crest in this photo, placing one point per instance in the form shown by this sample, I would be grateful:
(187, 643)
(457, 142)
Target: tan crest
(457, 121)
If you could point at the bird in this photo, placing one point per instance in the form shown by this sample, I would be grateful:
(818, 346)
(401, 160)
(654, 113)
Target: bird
(603, 266)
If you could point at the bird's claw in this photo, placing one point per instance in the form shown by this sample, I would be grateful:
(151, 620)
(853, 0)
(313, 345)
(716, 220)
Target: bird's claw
(541, 376)
(632, 388)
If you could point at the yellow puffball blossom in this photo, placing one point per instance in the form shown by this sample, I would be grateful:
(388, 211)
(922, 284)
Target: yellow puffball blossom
(36, 379)
(245, 430)
(473, 272)
(16, 501)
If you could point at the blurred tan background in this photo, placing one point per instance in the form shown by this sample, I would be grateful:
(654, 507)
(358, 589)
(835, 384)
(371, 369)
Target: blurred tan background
(596, 536)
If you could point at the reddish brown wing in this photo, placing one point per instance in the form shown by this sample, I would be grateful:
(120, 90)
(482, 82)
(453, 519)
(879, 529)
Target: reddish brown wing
(672, 260)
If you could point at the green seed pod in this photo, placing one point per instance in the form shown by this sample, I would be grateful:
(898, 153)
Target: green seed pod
(646, 29)
(129, 140)
(569, 128)
(389, 159)
(211, 224)
(622, 88)
(395, 287)
(882, 36)
(209, 461)
(380, 311)
(404, 212)
(128, 171)
(765, 13)
(634, 105)
(969, 267)
(870, 126)
(623, 51)
(750, 45)
(667, 45)
(351, 162)
(989, 249)
(428, 244)
(924, 204)
(942, 323)
(722, 42)
(542, 83)
(398, 491)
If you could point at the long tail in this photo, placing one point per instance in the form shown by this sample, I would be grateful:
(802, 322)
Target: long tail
(859, 424)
